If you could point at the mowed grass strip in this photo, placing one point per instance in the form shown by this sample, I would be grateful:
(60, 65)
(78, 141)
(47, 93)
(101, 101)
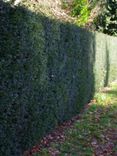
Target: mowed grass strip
(95, 134)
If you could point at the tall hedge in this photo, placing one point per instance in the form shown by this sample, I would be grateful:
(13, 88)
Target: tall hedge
(48, 71)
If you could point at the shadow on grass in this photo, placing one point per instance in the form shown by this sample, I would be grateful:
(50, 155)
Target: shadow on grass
(113, 92)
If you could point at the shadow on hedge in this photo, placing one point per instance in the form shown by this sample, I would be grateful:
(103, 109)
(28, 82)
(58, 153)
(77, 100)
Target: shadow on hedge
(106, 80)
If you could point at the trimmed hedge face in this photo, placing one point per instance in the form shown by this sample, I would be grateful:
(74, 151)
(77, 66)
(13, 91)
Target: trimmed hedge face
(48, 71)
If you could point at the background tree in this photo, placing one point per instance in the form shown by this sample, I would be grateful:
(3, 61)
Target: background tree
(107, 21)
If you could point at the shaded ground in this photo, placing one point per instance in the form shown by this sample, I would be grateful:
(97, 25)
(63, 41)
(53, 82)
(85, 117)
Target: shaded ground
(94, 133)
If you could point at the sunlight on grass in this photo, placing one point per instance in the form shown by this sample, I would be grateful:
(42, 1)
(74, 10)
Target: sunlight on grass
(95, 133)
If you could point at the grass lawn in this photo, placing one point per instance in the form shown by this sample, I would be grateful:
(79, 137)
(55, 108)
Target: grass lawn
(95, 134)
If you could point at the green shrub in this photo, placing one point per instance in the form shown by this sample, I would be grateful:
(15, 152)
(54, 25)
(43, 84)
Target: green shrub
(48, 71)
(80, 9)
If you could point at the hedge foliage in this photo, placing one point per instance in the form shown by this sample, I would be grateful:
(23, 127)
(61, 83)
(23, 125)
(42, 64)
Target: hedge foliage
(48, 71)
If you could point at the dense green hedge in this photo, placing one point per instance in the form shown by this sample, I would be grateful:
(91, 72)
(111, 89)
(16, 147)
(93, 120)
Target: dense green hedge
(48, 71)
